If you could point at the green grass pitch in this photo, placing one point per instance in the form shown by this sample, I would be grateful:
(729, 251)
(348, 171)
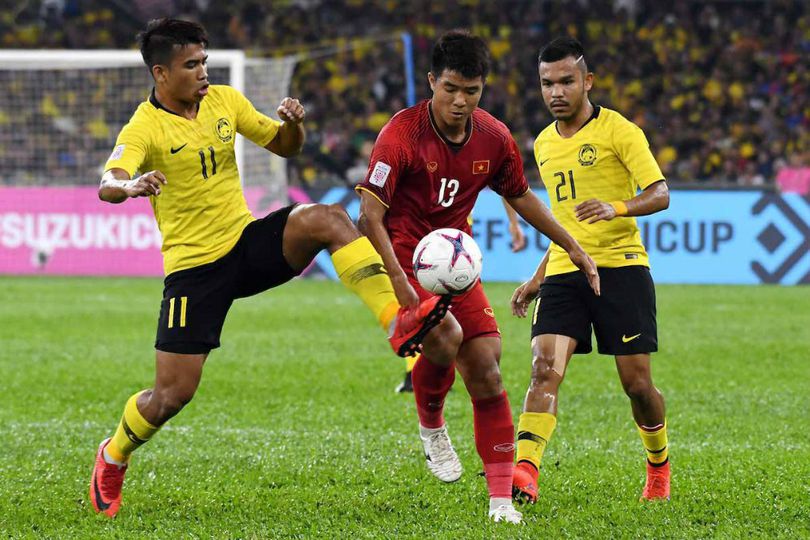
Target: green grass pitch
(295, 431)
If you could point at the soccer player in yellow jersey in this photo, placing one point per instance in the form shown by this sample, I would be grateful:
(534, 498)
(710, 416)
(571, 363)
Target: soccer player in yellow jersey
(599, 173)
(181, 140)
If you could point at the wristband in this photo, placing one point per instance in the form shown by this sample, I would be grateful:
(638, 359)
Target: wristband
(619, 207)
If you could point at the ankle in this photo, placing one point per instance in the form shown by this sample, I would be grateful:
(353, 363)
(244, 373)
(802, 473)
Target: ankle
(527, 466)
(428, 431)
(110, 460)
(495, 502)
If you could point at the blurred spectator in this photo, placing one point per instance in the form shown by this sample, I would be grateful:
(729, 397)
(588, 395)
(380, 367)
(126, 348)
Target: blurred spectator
(722, 90)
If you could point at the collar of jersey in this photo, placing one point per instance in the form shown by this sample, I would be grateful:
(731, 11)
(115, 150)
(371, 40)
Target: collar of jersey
(453, 145)
(594, 115)
(158, 105)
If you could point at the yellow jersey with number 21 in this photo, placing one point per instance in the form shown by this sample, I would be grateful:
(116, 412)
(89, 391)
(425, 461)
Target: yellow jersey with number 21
(202, 211)
(607, 159)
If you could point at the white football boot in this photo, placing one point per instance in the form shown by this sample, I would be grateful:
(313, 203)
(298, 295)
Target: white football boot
(506, 513)
(440, 456)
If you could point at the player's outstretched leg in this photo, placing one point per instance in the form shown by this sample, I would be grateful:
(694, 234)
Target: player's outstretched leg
(649, 413)
(313, 227)
(551, 354)
(492, 421)
(432, 377)
(176, 380)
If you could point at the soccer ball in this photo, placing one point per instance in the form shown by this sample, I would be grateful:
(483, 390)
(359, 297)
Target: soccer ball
(447, 261)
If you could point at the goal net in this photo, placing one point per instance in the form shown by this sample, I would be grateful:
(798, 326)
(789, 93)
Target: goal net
(60, 112)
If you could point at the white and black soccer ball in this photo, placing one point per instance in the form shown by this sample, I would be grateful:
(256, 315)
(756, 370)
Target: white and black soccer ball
(447, 261)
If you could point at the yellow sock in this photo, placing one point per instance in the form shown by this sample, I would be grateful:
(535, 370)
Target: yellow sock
(361, 270)
(655, 442)
(410, 361)
(132, 432)
(534, 432)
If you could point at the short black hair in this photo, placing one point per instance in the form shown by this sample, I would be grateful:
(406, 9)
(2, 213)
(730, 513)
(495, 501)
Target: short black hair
(460, 51)
(561, 48)
(159, 38)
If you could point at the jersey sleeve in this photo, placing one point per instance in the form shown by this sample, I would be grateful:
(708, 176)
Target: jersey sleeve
(510, 181)
(634, 151)
(251, 123)
(131, 147)
(389, 161)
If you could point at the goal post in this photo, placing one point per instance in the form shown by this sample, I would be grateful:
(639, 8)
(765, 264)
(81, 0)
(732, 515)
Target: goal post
(61, 110)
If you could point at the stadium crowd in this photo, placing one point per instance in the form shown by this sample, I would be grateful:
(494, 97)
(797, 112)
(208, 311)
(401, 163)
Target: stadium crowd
(722, 89)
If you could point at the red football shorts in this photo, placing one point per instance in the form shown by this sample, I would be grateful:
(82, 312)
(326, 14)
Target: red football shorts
(471, 310)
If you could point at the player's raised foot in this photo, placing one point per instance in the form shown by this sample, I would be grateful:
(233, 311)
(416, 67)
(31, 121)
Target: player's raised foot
(440, 456)
(524, 483)
(406, 385)
(657, 486)
(105, 484)
(505, 513)
(413, 324)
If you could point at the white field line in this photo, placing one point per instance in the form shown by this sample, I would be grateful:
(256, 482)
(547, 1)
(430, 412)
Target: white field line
(624, 441)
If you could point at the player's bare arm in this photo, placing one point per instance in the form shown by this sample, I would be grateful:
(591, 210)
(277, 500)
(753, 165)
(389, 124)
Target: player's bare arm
(116, 185)
(528, 291)
(518, 238)
(291, 135)
(653, 199)
(539, 216)
(370, 223)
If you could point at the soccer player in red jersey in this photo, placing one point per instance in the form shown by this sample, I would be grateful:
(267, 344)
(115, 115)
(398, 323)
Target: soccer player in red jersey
(518, 243)
(428, 166)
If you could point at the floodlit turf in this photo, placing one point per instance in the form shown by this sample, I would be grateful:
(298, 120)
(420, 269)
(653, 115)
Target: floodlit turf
(296, 432)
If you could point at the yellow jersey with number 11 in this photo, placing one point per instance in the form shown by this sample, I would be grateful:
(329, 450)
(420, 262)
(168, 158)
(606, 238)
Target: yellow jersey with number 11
(607, 159)
(202, 211)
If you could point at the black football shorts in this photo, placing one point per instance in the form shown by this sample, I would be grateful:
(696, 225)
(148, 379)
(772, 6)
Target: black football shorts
(196, 300)
(623, 317)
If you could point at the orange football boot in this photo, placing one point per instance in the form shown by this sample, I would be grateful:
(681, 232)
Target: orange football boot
(657, 486)
(524, 483)
(105, 485)
(413, 324)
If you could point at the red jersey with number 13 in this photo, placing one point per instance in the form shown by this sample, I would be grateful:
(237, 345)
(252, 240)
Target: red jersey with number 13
(428, 182)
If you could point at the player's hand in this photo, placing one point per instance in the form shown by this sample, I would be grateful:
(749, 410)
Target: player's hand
(595, 210)
(583, 261)
(291, 110)
(404, 291)
(523, 296)
(145, 185)
(518, 237)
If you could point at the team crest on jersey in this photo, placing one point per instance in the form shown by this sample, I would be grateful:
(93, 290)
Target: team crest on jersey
(224, 130)
(587, 155)
(432, 166)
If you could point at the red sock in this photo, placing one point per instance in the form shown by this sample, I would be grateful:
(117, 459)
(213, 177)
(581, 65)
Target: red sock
(495, 442)
(431, 382)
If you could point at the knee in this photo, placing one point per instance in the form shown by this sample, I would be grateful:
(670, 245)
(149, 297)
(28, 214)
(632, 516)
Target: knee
(336, 214)
(442, 343)
(638, 388)
(543, 374)
(449, 336)
(329, 217)
(331, 225)
(490, 376)
(321, 222)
